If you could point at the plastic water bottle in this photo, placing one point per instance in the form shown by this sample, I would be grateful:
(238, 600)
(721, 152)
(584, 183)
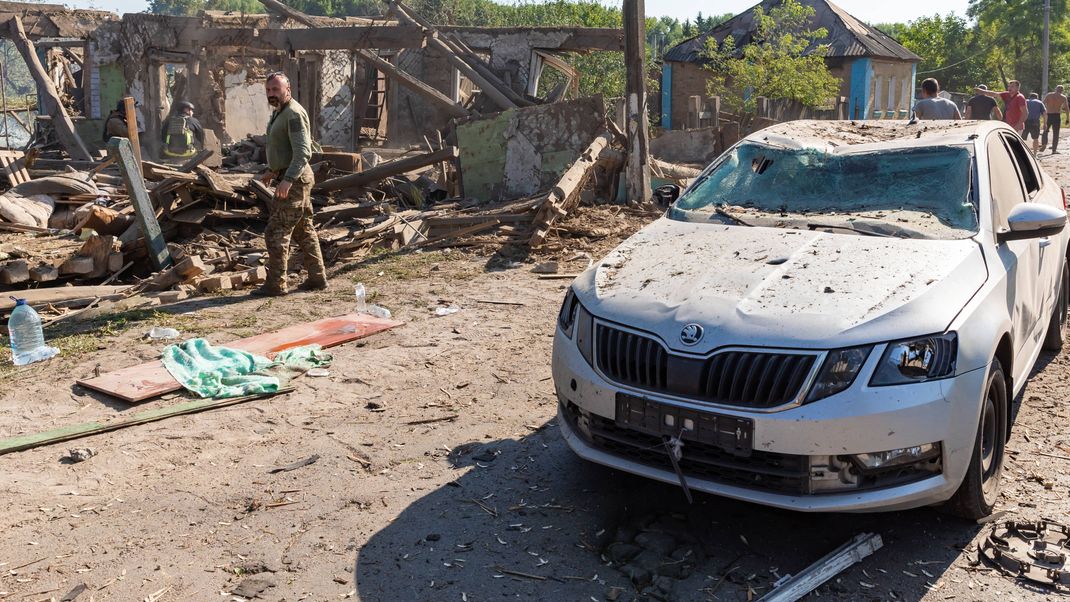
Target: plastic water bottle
(362, 298)
(27, 336)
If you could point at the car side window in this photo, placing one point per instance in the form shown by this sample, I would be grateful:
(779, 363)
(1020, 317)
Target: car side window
(1004, 181)
(1025, 164)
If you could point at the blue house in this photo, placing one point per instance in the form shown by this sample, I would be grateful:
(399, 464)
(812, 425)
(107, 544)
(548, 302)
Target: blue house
(877, 73)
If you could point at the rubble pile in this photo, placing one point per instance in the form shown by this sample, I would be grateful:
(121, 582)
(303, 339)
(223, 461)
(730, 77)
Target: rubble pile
(168, 231)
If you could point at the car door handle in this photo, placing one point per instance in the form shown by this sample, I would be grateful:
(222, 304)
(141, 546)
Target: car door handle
(1044, 242)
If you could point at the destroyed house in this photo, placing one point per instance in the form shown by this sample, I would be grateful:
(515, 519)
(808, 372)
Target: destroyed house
(876, 72)
(363, 80)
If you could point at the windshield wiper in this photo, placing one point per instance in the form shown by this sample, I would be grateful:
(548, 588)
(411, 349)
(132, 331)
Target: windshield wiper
(725, 214)
(815, 226)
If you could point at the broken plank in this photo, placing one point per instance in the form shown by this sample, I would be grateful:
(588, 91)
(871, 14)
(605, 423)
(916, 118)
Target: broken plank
(40, 297)
(458, 233)
(196, 160)
(464, 220)
(67, 433)
(143, 210)
(347, 211)
(829, 566)
(145, 381)
(385, 170)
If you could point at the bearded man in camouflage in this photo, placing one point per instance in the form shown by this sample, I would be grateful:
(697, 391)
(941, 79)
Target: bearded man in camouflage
(289, 147)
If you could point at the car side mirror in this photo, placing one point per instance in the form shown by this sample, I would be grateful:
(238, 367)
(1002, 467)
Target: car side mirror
(1032, 220)
(667, 194)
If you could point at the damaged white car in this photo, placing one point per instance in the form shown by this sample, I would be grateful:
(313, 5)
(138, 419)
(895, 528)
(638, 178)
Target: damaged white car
(832, 317)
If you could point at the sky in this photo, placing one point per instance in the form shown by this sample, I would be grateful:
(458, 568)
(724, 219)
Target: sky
(870, 11)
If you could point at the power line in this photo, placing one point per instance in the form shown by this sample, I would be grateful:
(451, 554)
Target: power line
(969, 58)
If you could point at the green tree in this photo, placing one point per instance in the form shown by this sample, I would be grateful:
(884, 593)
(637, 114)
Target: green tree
(1015, 29)
(952, 50)
(785, 60)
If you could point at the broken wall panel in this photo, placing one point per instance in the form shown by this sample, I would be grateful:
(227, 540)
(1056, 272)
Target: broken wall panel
(413, 117)
(523, 151)
(335, 123)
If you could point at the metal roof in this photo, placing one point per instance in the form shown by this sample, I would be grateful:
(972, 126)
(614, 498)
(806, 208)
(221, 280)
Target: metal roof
(847, 36)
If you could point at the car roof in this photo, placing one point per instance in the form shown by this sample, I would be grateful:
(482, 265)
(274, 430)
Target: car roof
(874, 134)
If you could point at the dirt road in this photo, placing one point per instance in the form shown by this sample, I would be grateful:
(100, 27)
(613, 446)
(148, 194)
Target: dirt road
(441, 474)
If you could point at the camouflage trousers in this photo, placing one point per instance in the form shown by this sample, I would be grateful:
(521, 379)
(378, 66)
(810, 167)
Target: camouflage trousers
(292, 217)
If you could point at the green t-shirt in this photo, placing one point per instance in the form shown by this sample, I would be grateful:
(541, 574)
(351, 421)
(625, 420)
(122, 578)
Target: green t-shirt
(289, 140)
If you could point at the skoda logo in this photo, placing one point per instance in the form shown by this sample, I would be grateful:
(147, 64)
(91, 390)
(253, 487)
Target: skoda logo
(691, 334)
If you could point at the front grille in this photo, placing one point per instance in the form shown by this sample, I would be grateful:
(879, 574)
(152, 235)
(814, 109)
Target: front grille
(756, 379)
(766, 471)
(632, 359)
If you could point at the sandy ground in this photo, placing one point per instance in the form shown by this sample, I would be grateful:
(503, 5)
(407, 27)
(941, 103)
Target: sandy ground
(441, 473)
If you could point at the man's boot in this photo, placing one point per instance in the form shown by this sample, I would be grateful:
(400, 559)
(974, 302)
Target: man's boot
(314, 283)
(267, 291)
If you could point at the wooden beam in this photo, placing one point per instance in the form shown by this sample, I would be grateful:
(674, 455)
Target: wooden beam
(50, 98)
(77, 431)
(385, 170)
(565, 194)
(423, 90)
(159, 256)
(398, 37)
(487, 87)
(131, 131)
(638, 127)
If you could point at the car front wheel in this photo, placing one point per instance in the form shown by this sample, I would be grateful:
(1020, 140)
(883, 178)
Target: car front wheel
(1053, 341)
(977, 495)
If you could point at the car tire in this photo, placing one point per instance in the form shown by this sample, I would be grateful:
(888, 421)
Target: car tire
(1053, 341)
(979, 491)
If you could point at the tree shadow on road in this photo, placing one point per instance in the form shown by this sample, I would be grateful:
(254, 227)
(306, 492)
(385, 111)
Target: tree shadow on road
(527, 518)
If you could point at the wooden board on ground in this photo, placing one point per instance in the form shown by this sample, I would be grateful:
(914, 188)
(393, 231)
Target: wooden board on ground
(145, 381)
(77, 431)
(41, 296)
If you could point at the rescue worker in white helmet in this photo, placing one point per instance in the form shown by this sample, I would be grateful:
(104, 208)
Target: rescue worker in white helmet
(182, 133)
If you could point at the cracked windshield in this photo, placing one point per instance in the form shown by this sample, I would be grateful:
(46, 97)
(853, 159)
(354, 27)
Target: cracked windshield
(909, 192)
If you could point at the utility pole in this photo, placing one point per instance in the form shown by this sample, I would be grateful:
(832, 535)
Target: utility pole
(637, 128)
(1044, 64)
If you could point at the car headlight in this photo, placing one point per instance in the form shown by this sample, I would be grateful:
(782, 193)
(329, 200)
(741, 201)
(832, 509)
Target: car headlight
(838, 372)
(917, 360)
(566, 318)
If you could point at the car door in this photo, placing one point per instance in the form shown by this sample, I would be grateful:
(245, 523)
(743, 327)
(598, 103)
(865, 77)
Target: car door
(1050, 259)
(1020, 258)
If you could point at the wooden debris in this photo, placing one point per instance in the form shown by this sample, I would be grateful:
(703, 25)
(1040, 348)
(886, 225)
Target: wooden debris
(385, 170)
(565, 195)
(68, 433)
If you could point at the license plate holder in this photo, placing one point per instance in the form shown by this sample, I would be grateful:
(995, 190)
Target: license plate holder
(730, 433)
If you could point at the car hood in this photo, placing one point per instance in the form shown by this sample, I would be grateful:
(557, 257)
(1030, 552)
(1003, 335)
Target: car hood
(781, 288)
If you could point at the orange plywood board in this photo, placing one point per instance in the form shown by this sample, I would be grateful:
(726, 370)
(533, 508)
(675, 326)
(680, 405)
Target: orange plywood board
(145, 381)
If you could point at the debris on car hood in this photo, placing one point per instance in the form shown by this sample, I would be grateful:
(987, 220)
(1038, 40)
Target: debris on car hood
(751, 284)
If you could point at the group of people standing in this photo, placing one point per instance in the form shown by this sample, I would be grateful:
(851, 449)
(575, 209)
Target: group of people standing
(1028, 116)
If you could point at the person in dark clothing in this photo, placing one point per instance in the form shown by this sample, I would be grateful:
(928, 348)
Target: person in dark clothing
(1034, 111)
(981, 107)
(115, 123)
(182, 134)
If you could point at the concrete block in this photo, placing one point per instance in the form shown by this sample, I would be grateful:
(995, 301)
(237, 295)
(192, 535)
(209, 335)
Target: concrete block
(44, 273)
(115, 262)
(256, 275)
(77, 266)
(238, 280)
(215, 283)
(17, 271)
